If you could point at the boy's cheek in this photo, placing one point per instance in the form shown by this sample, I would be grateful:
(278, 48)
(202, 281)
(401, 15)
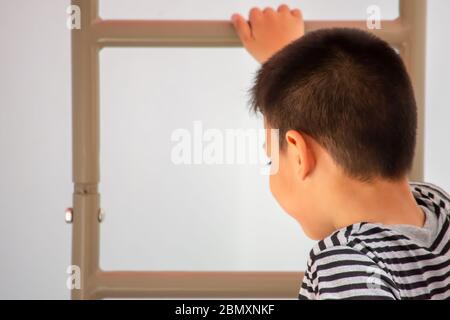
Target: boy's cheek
(273, 186)
(292, 201)
(279, 187)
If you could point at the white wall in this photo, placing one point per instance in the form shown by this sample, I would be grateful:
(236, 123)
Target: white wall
(437, 114)
(35, 137)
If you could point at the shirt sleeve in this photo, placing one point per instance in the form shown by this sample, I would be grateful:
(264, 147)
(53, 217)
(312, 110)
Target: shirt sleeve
(345, 273)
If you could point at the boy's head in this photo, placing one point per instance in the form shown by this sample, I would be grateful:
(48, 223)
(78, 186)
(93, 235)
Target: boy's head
(344, 106)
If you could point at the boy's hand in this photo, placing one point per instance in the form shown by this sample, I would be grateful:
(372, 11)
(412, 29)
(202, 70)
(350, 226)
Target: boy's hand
(268, 31)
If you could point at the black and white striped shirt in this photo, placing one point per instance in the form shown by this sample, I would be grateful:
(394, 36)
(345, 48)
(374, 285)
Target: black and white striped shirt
(375, 261)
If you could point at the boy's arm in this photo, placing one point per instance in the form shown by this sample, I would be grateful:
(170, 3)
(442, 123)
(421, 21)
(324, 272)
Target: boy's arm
(268, 31)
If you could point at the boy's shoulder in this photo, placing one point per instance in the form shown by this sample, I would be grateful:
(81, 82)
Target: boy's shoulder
(426, 194)
(432, 196)
(352, 255)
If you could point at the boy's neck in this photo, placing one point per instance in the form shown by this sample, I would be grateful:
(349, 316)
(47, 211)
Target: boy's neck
(380, 201)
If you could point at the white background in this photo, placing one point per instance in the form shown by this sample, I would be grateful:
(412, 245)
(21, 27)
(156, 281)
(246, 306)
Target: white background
(151, 221)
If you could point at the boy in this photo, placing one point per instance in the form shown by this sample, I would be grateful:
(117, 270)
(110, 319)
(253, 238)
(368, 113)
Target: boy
(346, 114)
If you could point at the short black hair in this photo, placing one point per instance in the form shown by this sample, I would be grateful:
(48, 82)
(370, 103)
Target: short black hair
(350, 91)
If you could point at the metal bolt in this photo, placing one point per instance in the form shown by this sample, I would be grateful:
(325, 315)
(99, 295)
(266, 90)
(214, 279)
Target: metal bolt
(101, 215)
(69, 215)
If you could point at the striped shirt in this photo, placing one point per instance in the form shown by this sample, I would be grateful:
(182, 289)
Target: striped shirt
(376, 261)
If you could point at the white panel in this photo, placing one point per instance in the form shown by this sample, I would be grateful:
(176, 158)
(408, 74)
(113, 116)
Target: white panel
(162, 216)
(208, 9)
(437, 110)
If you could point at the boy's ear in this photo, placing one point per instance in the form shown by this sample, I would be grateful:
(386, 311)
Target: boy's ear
(300, 152)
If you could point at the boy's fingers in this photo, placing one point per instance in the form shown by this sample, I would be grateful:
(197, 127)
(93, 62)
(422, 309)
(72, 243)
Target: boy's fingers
(242, 27)
(283, 8)
(269, 10)
(296, 13)
(254, 14)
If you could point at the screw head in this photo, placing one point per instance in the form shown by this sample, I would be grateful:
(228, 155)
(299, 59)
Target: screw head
(101, 215)
(69, 215)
